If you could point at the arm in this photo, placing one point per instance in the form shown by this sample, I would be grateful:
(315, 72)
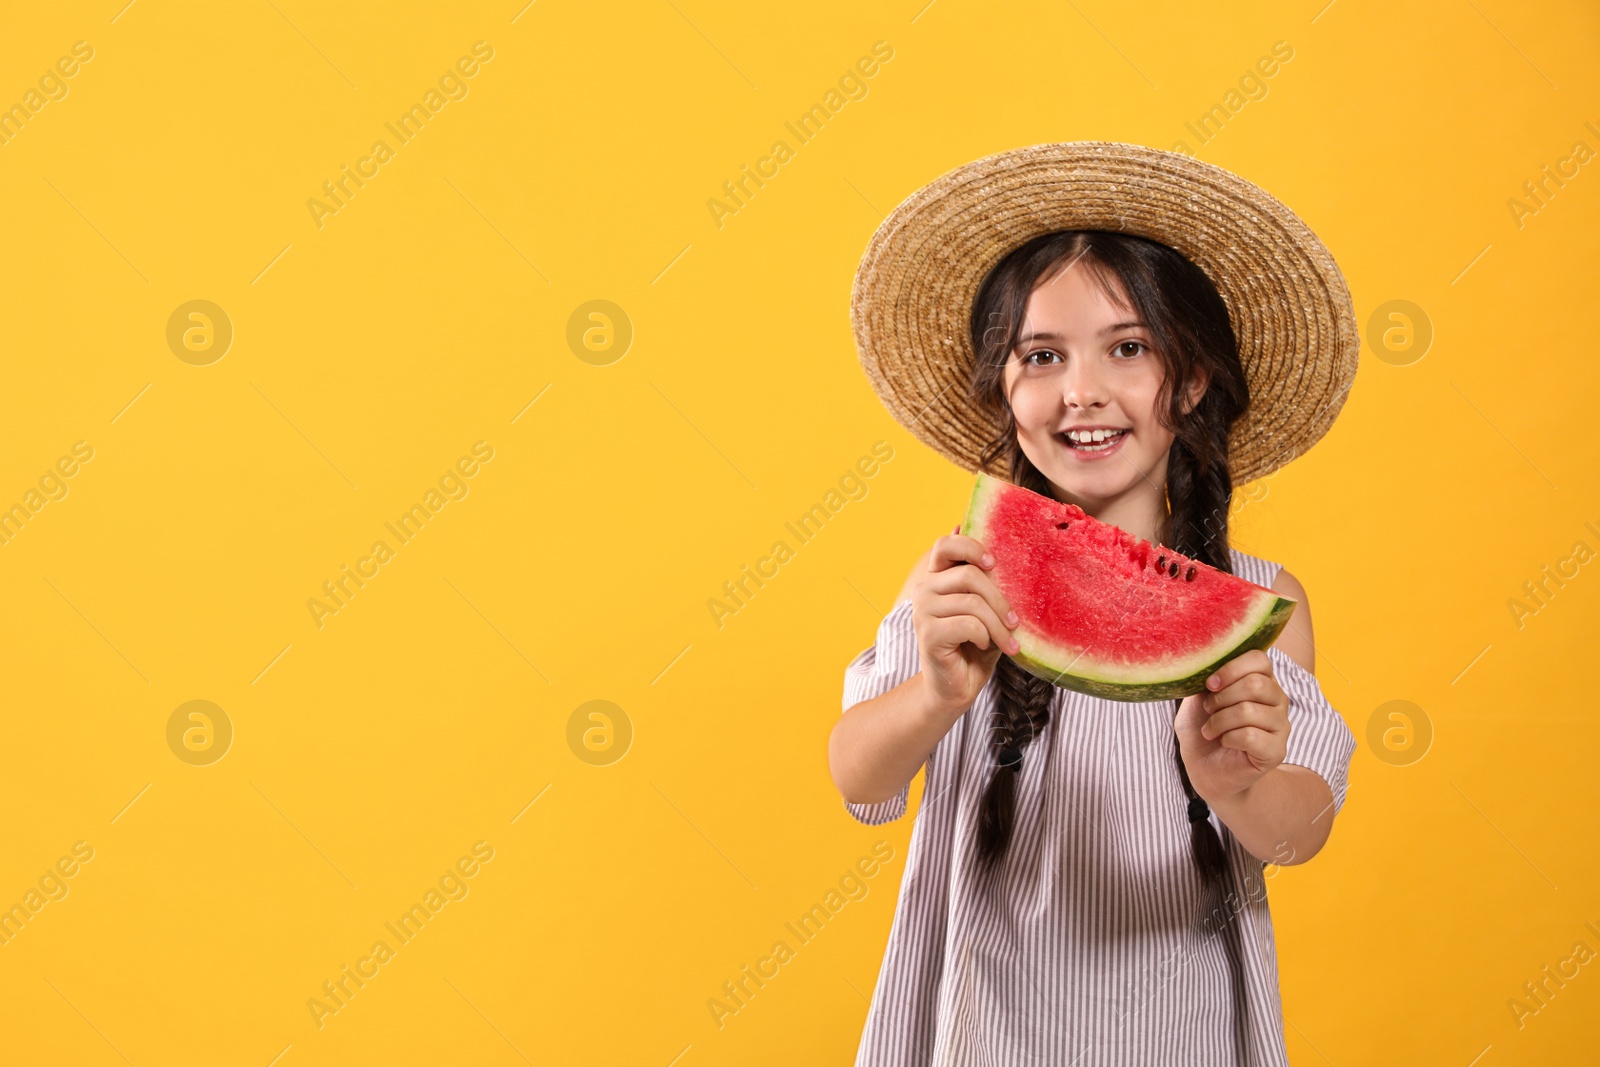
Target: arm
(879, 744)
(1281, 813)
(1284, 818)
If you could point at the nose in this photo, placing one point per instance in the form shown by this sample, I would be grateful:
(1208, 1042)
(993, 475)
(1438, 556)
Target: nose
(1082, 385)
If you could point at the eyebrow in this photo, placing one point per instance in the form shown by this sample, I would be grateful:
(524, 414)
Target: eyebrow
(1049, 336)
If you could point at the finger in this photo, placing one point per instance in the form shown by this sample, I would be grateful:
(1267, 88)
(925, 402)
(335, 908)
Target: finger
(952, 605)
(1257, 687)
(1253, 661)
(1251, 739)
(951, 632)
(972, 580)
(952, 550)
(1248, 715)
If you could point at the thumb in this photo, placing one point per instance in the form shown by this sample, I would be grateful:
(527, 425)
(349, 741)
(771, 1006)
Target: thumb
(1190, 717)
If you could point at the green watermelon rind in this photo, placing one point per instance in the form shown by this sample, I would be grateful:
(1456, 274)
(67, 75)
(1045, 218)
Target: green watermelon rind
(1257, 630)
(1169, 689)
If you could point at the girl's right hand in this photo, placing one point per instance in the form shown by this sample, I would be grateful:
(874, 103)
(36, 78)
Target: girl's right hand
(962, 621)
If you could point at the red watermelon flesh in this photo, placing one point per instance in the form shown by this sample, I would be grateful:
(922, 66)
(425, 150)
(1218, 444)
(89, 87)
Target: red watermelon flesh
(1110, 614)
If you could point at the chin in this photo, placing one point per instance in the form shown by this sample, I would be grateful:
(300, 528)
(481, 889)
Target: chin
(1091, 491)
(1095, 483)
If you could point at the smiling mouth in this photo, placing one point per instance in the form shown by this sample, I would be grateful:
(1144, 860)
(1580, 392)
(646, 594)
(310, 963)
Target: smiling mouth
(1089, 444)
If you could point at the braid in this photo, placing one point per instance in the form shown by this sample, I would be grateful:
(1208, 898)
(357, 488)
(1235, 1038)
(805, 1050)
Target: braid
(1197, 502)
(1199, 489)
(1021, 712)
(1021, 708)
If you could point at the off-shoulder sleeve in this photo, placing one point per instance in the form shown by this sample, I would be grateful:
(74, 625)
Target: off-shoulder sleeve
(877, 669)
(1318, 736)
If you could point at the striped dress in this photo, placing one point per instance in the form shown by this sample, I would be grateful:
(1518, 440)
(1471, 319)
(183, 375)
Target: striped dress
(1094, 941)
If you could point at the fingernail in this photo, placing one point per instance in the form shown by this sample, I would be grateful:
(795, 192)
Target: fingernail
(1211, 682)
(988, 560)
(1011, 617)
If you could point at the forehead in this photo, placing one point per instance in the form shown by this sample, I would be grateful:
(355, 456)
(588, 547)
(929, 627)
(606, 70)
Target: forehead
(1083, 283)
(1078, 300)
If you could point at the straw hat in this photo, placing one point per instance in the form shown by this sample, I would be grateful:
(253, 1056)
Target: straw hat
(1291, 312)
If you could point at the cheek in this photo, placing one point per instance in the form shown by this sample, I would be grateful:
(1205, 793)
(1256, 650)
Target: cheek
(1035, 412)
(1154, 441)
(1142, 407)
(1156, 444)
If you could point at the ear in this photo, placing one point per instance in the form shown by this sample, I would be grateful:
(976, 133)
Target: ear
(1197, 389)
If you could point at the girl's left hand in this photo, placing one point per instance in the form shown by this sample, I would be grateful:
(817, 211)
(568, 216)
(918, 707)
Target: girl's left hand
(1232, 735)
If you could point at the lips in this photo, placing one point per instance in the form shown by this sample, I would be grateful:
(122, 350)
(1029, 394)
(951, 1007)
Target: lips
(1106, 445)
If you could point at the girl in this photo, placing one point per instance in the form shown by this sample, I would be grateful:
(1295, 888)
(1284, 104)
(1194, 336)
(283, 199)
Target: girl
(1086, 879)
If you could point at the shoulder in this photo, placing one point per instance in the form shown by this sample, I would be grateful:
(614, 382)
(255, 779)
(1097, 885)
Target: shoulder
(1296, 639)
(1254, 568)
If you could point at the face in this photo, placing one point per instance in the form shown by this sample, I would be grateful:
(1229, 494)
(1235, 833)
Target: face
(1084, 360)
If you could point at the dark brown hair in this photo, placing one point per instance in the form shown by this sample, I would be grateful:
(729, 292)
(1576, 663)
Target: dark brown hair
(1187, 323)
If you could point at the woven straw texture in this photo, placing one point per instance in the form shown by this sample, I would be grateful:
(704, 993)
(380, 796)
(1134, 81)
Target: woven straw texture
(1291, 311)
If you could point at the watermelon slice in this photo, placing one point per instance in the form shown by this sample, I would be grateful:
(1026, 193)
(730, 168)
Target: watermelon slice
(1107, 613)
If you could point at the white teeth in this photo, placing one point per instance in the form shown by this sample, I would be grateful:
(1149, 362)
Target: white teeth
(1091, 437)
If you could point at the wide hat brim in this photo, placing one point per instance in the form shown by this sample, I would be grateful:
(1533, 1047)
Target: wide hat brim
(911, 303)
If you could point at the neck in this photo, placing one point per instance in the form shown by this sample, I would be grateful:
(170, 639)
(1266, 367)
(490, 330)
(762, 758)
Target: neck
(1142, 511)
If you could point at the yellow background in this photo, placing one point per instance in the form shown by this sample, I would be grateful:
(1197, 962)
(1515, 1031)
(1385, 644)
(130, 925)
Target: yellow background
(425, 716)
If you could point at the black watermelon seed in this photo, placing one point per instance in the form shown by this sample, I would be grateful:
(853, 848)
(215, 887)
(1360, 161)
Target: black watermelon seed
(1189, 577)
(1174, 571)
(1062, 525)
